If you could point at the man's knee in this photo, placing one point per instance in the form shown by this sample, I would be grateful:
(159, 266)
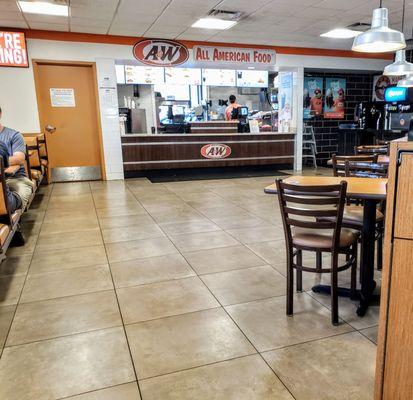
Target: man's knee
(23, 187)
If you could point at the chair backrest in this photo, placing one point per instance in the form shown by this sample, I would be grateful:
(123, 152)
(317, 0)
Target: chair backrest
(33, 151)
(372, 149)
(366, 169)
(306, 206)
(338, 162)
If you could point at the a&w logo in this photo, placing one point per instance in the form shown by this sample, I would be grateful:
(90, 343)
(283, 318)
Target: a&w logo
(161, 53)
(216, 151)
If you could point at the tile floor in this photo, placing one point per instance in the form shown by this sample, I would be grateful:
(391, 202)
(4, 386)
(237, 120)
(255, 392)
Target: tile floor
(133, 290)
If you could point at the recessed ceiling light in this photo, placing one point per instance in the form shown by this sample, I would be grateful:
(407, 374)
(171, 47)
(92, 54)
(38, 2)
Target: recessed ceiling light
(39, 7)
(341, 33)
(213, 23)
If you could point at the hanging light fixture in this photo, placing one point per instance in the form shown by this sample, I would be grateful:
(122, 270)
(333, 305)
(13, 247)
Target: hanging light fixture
(400, 66)
(379, 38)
(407, 82)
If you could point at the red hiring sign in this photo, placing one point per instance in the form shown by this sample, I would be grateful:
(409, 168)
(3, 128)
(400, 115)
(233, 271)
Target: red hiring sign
(13, 51)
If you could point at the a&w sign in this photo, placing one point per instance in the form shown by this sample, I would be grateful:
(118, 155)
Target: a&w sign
(160, 53)
(215, 151)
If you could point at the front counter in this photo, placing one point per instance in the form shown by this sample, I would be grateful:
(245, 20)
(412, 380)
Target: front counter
(198, 150)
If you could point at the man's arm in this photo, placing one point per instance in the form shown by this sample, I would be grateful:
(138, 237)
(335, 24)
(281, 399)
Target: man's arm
(18, 150)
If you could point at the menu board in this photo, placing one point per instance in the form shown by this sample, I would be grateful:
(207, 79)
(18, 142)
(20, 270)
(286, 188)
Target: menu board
(256, 79)
(144, 75)
(120, 74)
(218, 77)
(183, 76)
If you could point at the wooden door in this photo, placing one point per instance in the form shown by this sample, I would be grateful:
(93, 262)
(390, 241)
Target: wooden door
(66, 94)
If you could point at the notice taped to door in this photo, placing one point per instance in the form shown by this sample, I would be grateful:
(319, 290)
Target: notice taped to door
(62, 97)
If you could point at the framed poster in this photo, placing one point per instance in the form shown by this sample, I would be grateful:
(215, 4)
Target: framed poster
(313, 96)
(334, 103)
(13, 50)
(380, 83)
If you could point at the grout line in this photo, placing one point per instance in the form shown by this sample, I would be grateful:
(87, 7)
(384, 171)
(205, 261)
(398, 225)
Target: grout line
(119, 308)
(97, 390)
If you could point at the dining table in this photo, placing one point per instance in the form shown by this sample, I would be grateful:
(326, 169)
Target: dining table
(381, 159)
(371, 191)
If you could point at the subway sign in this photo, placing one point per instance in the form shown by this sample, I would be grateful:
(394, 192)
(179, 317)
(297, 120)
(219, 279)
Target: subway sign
(160, 52)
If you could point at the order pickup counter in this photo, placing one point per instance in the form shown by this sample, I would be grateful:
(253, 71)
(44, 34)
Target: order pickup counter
(197, 150)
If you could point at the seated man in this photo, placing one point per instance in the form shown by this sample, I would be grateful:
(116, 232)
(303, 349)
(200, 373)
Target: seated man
(13, 199)
(16, 148)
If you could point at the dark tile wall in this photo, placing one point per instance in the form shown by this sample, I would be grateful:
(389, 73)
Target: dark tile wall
(358, 88)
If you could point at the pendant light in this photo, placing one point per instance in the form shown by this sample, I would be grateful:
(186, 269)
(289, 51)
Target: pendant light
(407, 82)
(400, 66)
(379, 38)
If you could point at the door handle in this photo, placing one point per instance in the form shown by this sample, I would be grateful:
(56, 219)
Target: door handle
(50, 128)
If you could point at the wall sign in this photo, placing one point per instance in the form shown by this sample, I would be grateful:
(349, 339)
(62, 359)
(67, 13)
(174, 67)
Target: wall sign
(380, 83)
(335, 98)
(62, 97)
(215, 150)
(13, 51)
(160, 53)
(233, 56)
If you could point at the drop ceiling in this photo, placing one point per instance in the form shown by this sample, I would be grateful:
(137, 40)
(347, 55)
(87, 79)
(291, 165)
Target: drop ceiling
(267, 22)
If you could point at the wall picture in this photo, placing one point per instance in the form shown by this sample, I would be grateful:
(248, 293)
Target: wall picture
(313, 97)
(335, 97)
(380, 83)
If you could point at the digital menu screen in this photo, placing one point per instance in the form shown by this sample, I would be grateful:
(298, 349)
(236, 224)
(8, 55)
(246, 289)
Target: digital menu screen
(249, 78)
(183, 76)
(218, 77)
(144, 75)
(120, 74)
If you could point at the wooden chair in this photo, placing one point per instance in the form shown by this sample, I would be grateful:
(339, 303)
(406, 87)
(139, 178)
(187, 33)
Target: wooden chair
(44, 157)
(301, 208)
(372, 149)
(9, 221)
(367, 170)
(338, 162)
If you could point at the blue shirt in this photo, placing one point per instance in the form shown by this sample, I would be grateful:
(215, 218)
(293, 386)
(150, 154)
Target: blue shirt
(14, 142)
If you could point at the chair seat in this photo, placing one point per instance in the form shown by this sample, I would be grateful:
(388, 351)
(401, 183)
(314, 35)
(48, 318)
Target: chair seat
(354, 215)
(322, 239)
(4, 232)
(16, 215)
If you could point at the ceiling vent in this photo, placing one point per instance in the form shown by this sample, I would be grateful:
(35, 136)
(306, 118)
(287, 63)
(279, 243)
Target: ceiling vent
(359, 26)
(227, 15)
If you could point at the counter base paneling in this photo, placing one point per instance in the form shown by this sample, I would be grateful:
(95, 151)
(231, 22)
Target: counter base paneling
(154, 152)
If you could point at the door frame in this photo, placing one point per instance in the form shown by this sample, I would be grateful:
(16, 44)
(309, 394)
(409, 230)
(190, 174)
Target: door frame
(36, 63)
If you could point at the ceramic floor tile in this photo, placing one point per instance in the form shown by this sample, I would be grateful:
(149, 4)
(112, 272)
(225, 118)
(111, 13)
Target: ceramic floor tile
(64, 316)
(70, 240)
(273, 252)
(63, 367)
(223, 259)
(134, 232)
(70, 225)
(197, 226)
(347, 311)
(178, 216)
(203, 241)
(127, 391)
(242, 221)
(371, 333)
(48, 260)
(66, 283)
(265, 323)
(337, 368)
(164, 299)
(131, 209)
(15, 265)
(239, 286)
(10, 289)
(257, 234)
(246, 378)
(185, 341)
(150, 270)
(125, 220)
(6, 316)
(124, 251)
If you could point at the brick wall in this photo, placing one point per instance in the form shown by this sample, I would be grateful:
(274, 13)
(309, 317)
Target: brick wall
(358, 88)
